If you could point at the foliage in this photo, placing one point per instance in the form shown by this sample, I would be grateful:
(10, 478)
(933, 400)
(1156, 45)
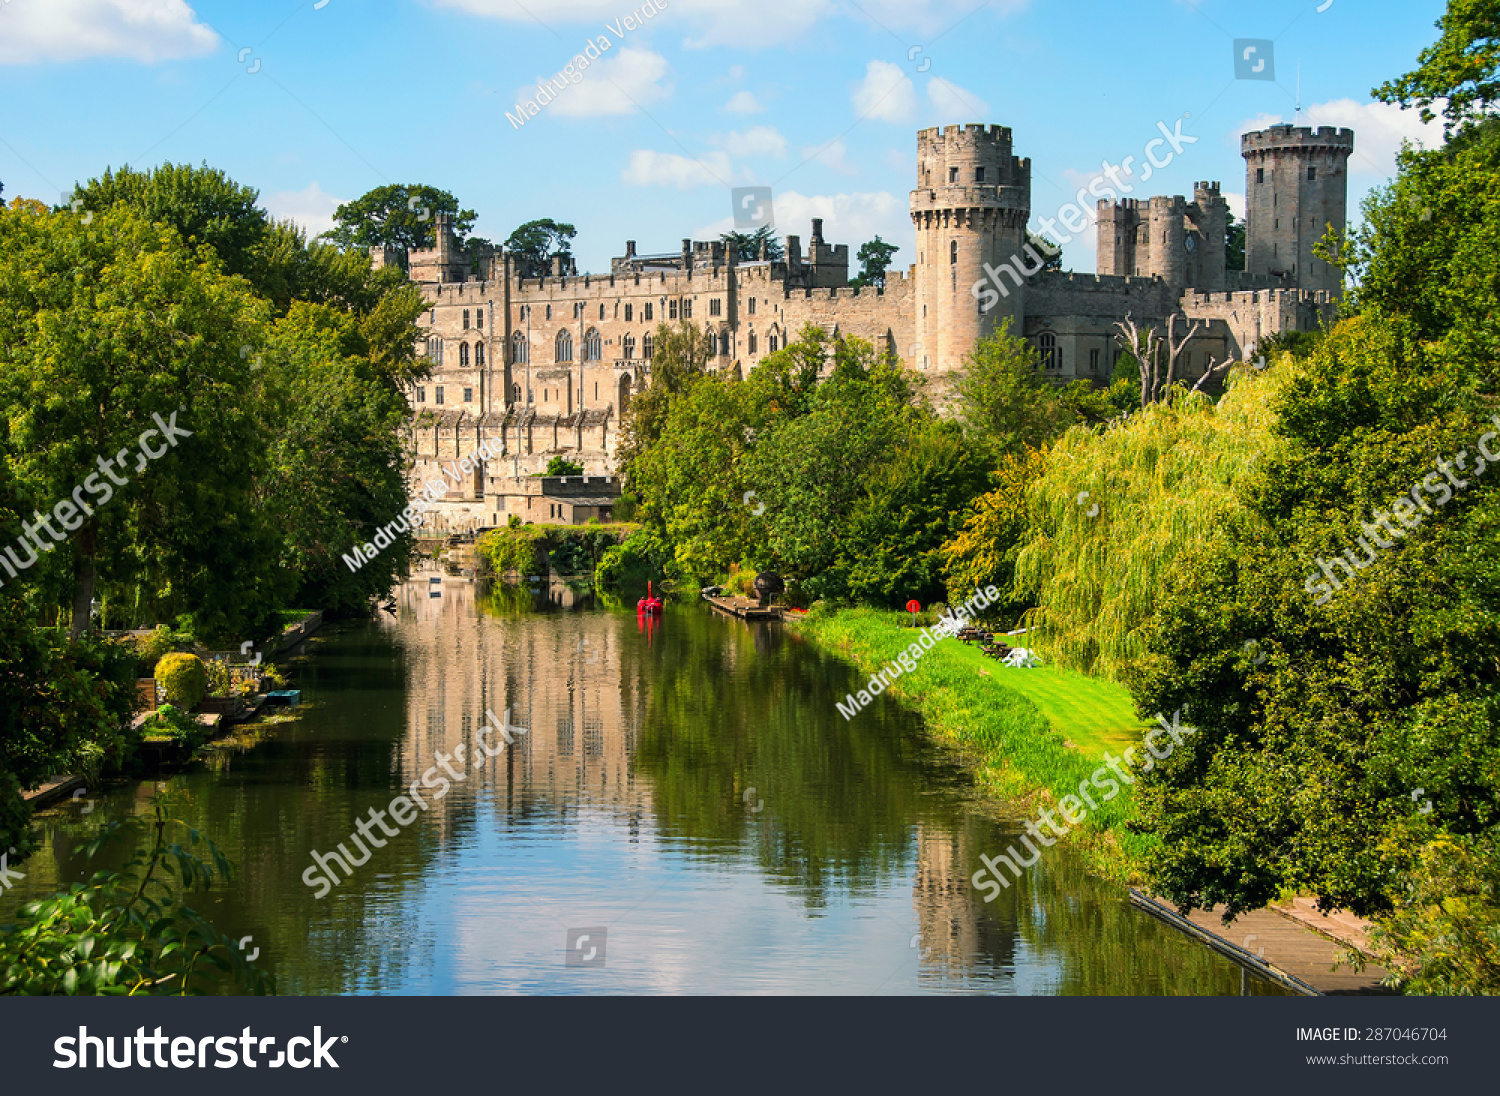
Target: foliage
(1049, 252)
(984, 552)
(562, 466)
(513, 549)
(1116, 513)
(1234, 242)
(399, 216)
(874, 259)
(183, 677)
(176, 724)
(680, 355)
(129, 933)
(1460, 68)
(160, 641)
(1444, 935)
(217, 671)
(1003, 399)
(746, 245)
(535, 244)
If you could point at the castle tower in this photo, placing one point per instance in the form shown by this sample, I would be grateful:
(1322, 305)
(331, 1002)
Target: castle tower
(970, 208)
(1209, 217)
(1296, 183)
(1167, 221)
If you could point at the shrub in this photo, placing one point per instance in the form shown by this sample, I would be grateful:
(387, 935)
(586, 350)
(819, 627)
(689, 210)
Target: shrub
(217, 673)
(562, 466)
(177, 725)
(183, 677)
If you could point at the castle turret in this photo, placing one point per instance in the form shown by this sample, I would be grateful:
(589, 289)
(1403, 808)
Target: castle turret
(1296, 183)
(970, 208)
(1208, 233)
(1168, 229)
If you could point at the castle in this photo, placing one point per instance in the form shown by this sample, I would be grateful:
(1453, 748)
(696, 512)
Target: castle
(548, 365)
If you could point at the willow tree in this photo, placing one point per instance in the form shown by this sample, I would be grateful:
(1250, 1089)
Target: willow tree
(1115, 513)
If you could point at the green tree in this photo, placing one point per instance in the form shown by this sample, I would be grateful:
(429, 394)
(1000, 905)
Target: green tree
(562, 466)
(403, 217)
(1003, 399)
(1234, 243)
(746, 245)
(536, 243)
(115, 331)
(1460, 67)
(874, 258)
(679, 356)
(983, 553)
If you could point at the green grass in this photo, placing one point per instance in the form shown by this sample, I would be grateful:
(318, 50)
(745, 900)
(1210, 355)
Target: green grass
(1026, 734)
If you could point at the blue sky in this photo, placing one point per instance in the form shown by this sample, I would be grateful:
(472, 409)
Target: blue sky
(819, 99)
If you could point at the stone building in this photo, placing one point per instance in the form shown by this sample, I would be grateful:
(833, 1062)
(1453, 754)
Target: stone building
(548, 365)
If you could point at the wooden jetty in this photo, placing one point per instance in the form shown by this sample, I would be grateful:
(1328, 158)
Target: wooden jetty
(745, 608)
(1287, 947)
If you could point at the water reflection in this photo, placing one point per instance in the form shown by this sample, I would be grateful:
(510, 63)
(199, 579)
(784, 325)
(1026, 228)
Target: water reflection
(686, 784)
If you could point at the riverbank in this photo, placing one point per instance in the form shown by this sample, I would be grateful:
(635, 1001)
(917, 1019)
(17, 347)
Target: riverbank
(1031, 736)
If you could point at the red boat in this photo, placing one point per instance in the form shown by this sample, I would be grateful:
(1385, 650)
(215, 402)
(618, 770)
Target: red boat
(650, 604)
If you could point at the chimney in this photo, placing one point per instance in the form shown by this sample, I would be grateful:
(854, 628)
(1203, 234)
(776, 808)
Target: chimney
(687, 254)
(630, 249)
(793, 253)
(817, 235)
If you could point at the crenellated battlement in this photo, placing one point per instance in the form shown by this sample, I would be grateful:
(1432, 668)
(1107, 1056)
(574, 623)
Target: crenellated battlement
(1291, 138)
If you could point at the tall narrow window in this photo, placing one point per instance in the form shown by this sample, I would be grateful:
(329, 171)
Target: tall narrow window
(628, 310)
(463, 355)
(479, 353)
(468, 395)
(672, 309)
(421, 395)
(752, 306)
(646, 346)
(564, 346)
(713, 344)
(1312, 173)
(628, 347)
(593, 347)
(752, 342)
(549, 312)
(648, 312)
(1260, 175)
(687, 310)
(520, 353)
(1046, 343)
(437, 394)
(466, 319)
(953, 174)
(979, 174)
(601, 312)
(953, 251)
(479, 317)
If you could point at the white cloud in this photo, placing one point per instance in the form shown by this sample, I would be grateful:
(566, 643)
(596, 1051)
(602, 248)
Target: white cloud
(69, 30)
(312, 208)
(955, 104)
(608, 87)
(648, 168)
(746, 24)
(886, 93)
(833, 156)
(1236, 204)
(755, 141)
(743, 102)
(847, 219)
(1379, 129)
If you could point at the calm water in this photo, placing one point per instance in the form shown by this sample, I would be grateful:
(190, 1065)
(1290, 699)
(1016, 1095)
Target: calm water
(691, 791)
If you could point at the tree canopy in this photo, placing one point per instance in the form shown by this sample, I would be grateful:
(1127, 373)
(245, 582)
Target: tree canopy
(400, 216)
(535, 244)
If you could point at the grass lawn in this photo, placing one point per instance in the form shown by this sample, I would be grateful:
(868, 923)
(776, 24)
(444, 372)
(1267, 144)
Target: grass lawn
(1036, 733)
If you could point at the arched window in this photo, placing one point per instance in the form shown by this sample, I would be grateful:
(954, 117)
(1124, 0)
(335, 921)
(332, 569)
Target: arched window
(771, 343)
(752, 342)
(463, 355)
(1046, 343)
(629, 347)
(564, 346)
(646, 348)
(593, 346)
(520, 353)
(479, 353)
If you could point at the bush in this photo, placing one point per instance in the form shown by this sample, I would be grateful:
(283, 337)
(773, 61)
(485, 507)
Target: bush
(157, 644)
(183, 678)
(218, 677)
(176, 724)
(562, 466)
(510, 549)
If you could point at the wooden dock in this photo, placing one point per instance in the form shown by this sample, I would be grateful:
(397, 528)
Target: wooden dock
(743, 607)
(1280, 946)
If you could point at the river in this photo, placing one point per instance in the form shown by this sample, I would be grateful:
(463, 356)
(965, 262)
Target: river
(685, 796)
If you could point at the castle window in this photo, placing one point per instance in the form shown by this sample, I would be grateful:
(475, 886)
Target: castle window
(515, 393)
(953, 251)
(953, 174)
(601, 312)
(752, 342)
(1260, 175)
(672, 310)
(752, 306)
(479, 353)
(646, 346)
(549, 312)
(468, 395)
(463, 355)
(629, 345)
(771, 341)
(628, 317)
(1312, 173)
(437, 394)
(1187, 360)
(564, 346)
(1046, 343)
(479, 317)
(716, 307)
(979, 174)
(593, 349)
(1093, 361)
(713, 344)
(435, 351)
(648, 311)
(577, 310)
(421, 395)
(596, 390)
(466, 319)
(687, 310)
(520, 353)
